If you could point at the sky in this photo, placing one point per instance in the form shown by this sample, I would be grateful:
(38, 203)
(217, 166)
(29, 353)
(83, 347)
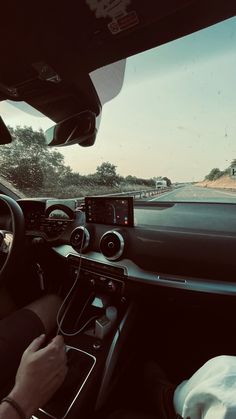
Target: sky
(175, 115)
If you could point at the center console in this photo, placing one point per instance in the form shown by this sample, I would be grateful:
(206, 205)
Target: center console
(80, 365)
(94, 327)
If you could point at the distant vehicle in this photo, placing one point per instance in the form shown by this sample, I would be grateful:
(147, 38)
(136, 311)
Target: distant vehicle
(161, 184)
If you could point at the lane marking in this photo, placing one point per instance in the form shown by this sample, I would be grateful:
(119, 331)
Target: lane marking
(198, 197)
(164, 194)
(217, 190)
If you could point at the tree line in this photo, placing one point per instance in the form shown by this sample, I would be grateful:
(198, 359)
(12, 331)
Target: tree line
(216, 173)
(38, 170)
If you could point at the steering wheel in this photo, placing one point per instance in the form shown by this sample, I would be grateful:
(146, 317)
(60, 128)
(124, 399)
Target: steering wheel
(11, 241)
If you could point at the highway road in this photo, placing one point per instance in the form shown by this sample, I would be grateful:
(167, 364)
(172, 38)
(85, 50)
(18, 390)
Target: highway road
(197, 194)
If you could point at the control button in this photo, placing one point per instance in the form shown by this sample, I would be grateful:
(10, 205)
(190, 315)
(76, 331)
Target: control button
(92, 282)
(97, 345)
(111, 286)
(102, 278)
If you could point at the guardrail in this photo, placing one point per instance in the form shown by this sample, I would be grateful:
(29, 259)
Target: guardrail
(146, 193)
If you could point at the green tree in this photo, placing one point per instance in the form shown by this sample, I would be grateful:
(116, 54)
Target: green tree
(28, 163)
(71, 178)
(214, 174)
(131, 179)
(168, 181)
(106, 174)
(140, 181)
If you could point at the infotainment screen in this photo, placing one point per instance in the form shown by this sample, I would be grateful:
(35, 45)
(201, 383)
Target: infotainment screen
(110, 210)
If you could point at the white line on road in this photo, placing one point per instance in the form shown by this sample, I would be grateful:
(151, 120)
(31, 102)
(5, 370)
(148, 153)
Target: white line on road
(221, 192)
(164, 194)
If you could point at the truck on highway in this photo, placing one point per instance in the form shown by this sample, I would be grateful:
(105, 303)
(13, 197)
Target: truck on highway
(161, 184)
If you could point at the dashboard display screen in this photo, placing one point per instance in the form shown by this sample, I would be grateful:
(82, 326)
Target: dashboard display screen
(110, 210)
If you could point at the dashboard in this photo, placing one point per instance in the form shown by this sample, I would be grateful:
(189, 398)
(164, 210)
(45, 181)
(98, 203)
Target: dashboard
(181, 245)
(47, 217)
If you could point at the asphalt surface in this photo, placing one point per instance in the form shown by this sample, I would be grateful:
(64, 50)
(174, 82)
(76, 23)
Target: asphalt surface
(197, 194)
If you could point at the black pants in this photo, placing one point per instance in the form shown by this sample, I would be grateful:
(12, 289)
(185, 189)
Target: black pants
(17, 331)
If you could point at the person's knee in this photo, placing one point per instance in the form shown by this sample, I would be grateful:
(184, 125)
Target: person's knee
(46, 308)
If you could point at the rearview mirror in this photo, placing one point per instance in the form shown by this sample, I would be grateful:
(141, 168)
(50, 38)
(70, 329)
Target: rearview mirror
(78, 129)
(5, 136)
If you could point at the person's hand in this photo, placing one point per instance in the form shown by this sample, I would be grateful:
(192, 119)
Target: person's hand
(40, 374)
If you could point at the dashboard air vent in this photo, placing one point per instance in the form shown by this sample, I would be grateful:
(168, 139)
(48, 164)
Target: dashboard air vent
(112, 245)
(80, 238)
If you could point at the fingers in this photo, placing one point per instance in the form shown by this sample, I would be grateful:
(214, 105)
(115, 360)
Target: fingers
(58, 340)
(57, 344)
(36, 344)
(55, 348)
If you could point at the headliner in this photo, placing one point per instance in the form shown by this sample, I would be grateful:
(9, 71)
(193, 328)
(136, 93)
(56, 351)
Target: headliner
(71, 41)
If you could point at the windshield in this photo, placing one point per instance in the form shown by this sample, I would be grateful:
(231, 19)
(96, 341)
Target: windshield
(170, 130)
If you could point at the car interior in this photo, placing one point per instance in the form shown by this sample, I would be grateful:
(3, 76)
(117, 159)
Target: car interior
(142, 280)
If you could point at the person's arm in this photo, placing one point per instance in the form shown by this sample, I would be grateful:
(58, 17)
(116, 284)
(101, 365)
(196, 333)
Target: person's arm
(8, 412)
(40, 374)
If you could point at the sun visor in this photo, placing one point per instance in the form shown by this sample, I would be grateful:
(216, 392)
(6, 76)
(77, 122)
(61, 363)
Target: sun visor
(108, 81)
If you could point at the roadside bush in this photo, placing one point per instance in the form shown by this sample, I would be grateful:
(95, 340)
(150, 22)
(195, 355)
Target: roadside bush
(214, 174)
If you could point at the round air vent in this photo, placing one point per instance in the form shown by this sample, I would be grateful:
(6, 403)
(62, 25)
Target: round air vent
(80, 238)
(112, 245)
